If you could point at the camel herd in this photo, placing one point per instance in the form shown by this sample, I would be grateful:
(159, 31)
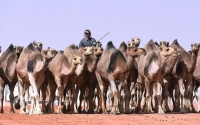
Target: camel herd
(110, 80)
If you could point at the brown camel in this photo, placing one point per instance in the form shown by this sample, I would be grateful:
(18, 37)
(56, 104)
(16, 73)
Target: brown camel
(90, 79)
(8, 74)
(170, 63)
(151, 70)
(49, 54)
(78, 78)
(131, 76)
(60, 70)
(183, 72)
(109, 69)
(30, 61)
(196, 80)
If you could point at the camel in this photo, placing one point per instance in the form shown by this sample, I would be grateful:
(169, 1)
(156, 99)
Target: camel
(78, 78)
(131, 77)
(151, 70)
(109, 69)
(60, 69)
(135, 42)
(196, 80)
(90, 79)
(170, 63)
(183, 72)
(30, 62)
(49, 54)
(8, 74)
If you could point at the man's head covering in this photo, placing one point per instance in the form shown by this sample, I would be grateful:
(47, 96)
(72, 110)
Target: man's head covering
(87, 31)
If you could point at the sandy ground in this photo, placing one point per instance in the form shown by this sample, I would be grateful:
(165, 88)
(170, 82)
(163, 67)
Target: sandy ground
(83, 119)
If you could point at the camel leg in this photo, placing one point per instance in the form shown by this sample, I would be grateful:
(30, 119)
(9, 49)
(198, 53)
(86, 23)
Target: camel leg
(90, 98)
(159, 96)
(2, 86)
(190, 95)
(34, 95)
(11, 88)
(186, 94)
(44, 89)
(127, 98)
(52, 89)
(115, 109)
(166, 96)
(148, 97)
(60, 94)
(86, 99)
(22, 100)
(81, 100)
(180, 82)
(141, 87)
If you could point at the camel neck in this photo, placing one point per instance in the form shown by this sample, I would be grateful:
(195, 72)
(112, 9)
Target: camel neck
(130, 62)
(93, 65)
(170, 63)
(80, 67)
(193, 61)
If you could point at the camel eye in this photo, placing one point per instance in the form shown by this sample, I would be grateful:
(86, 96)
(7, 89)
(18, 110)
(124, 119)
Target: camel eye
(74, 58)
(129, 44)
(167, 49)
(95, 49)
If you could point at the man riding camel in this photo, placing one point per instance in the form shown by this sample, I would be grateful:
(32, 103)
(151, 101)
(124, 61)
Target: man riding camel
(87, 40)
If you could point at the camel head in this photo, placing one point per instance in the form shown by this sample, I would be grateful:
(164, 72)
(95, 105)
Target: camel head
(195, 47)
(87, 51)
(167, 51)
(50, 53)
(18, 50)
(37, 45)
(98, 51)
(97, 44)
(76, 60)
(135, 42)
(132, 51)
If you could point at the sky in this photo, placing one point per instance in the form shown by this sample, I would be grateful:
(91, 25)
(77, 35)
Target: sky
(60, 23)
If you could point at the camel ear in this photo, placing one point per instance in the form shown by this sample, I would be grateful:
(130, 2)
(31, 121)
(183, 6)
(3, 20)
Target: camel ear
(45, 51)
(15, 47)
(56, 51)
(199, 44)
(167, 44)
(157, 44)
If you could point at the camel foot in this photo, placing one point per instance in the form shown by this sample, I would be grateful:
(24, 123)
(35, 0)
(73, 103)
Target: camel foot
(90, 111)
(12, 111)
(137, 109)
(23, 112)
(17, 106)
(161, 111)
(182, 111)
(114, 111)
(1, 111)
(168, 111)
(59, 112)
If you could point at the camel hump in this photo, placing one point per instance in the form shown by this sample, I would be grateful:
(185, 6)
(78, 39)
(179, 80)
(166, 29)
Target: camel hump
(11, 48)
(110, 45)
(123, 46)
(115, 55)
(175, 42)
